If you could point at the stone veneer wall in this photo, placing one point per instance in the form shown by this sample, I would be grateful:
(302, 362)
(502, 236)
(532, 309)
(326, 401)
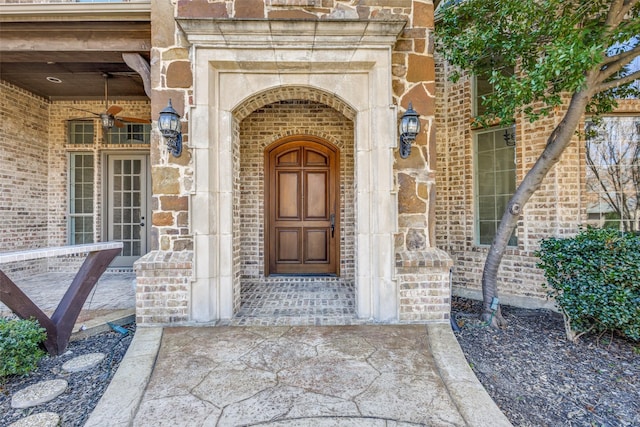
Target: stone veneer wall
(557, 209)
(413, 80)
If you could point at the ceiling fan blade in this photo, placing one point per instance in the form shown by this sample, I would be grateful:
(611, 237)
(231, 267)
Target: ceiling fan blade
(118, 123)
(134, 120)
(86, 111)
(114, 109)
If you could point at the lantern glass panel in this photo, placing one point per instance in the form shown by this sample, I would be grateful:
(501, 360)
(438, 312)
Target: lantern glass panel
(413, 125)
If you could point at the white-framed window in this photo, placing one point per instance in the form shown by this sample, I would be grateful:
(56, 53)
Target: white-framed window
(495, 180)
(81, 132)
(613, 172)
(131, 133)
(81, 206)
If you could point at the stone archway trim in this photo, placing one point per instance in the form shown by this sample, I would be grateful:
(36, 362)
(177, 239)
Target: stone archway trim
(235, 60)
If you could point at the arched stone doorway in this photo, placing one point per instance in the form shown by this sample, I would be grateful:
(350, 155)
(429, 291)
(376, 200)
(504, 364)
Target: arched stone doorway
(278, 122)
(233, 81)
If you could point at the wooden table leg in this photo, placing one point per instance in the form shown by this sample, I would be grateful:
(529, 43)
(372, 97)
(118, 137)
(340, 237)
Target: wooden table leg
(23, 307)
(71, 303)
(60, 326)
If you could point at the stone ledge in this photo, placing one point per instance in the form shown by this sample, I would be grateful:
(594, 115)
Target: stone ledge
(50, 252)
(431, 258)
(165, 260)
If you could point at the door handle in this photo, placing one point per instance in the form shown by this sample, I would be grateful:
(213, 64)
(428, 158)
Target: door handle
(142, 222)
(332, 220)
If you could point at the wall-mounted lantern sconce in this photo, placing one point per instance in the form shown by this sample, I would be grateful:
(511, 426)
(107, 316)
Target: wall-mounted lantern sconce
(409, 129)
(170, 127)
(510, 137)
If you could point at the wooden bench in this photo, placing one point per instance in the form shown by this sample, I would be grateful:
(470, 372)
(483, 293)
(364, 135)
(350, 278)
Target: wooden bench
(60, 325)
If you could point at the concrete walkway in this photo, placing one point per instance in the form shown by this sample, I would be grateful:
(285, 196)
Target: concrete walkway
(296, 374)
(365, 375)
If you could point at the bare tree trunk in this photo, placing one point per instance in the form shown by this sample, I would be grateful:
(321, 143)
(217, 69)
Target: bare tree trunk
(558, 141)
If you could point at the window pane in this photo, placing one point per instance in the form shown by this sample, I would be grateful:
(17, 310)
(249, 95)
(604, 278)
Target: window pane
(131, 133)
(486, 183)
(482, 87)
(612, 172)
(486, 161)
(487, 208)
(505, 159)
(80, 198)
(495, 182)
(501, 204)
(485, 142)
(80, 132)
(487, 232)
(505, 182)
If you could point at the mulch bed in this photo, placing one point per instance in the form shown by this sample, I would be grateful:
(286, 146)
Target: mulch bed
(539, 378)
(85, 388)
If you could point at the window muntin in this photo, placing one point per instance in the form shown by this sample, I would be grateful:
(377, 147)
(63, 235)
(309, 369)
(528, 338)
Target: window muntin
(81, 206)
(131, 133)
(613, 172)
(81, 132)
(495, 182)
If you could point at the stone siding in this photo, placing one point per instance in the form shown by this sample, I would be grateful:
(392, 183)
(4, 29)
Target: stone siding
(413, 80)
(256, 125)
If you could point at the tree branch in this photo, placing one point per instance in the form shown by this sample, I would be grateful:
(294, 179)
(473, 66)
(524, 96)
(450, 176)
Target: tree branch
(617, 82)
(615, 14)
(622, 56)
(628, 6)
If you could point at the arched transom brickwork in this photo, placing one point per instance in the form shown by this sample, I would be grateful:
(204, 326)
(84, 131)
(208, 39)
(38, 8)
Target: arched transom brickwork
(305, 93)
(259, 129)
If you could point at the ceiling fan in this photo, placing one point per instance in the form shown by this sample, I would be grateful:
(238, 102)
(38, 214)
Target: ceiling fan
(108, 117)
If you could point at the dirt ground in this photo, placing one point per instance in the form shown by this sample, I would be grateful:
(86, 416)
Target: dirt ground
(538, 378)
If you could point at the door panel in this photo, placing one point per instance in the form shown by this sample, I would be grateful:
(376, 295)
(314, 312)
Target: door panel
(317, 198)
(127, 206)
(288, 195)
(316, 244)
(301, 200)
(288, 243)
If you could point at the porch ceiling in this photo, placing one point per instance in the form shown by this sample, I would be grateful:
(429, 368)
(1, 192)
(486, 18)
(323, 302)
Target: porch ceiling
(77, 44)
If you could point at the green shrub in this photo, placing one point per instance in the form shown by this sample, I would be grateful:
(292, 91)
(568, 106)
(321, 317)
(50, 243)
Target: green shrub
(20, 348)
(595, 280)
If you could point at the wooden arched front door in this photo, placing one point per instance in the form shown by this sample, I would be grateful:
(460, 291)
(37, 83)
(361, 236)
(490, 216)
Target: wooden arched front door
(302, 230)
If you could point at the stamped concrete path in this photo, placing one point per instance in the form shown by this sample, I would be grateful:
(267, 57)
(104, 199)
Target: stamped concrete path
(365, 375)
